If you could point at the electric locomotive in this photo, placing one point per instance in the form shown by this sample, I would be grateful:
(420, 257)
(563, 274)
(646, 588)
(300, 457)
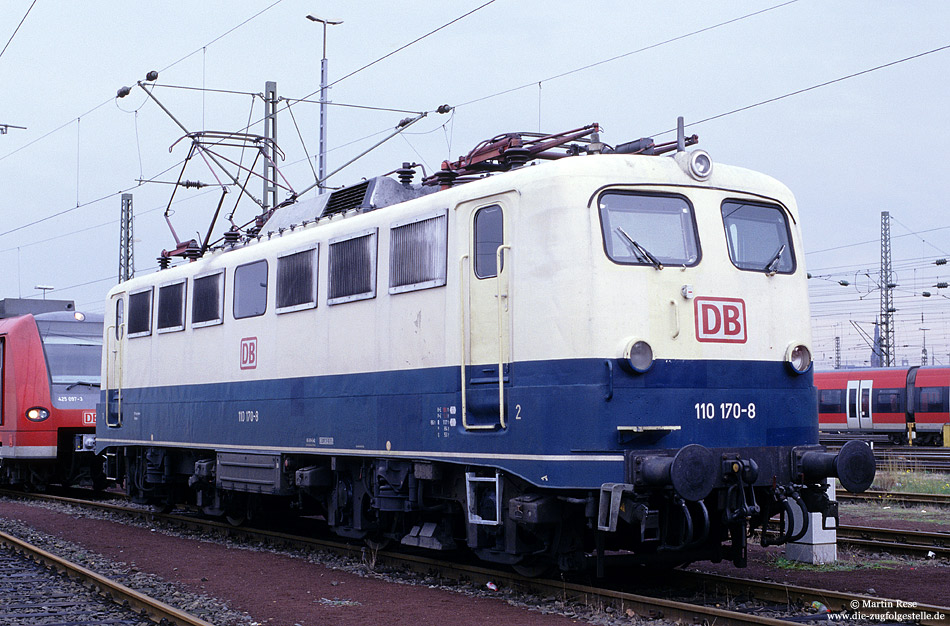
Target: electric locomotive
(50, 361)
(541, 353)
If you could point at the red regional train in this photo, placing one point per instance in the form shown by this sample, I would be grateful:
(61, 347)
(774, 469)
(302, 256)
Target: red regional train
(49, 385)
(902, 403)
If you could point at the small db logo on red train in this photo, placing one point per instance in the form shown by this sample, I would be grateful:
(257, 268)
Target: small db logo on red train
(720, 320)
(88, 418)
(248, 353)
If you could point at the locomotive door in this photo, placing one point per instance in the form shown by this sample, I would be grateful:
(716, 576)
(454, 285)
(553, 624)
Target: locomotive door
(114, 349)
(486, 331)
(859, 404)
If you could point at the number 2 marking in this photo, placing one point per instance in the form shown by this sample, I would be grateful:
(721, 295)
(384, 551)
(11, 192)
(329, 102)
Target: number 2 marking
(517, 411)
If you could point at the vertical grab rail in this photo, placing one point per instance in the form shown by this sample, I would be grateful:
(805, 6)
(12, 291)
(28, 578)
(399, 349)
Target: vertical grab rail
(113, 334)
(499, 257)
(462, 351)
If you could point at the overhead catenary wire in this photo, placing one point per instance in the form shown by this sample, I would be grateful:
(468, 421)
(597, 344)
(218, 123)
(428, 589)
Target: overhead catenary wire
(167, 67)
(811, 88)
(626, 54)
(17, 29)
(443, 127)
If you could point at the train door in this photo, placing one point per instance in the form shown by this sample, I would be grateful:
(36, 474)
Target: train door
(1, 380)
(859, 404)
(910, 399)
(486, 318)
(115, 335)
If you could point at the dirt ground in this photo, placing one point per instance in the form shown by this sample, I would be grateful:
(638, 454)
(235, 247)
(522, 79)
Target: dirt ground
(879, 576)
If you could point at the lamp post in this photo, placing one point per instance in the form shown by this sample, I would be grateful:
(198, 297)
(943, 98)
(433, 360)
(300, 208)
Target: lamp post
(322, 162)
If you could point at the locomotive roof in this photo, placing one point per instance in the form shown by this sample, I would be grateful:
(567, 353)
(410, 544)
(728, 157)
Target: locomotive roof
(627, 170)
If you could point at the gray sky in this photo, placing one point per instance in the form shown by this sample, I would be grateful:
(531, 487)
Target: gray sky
(848, 150)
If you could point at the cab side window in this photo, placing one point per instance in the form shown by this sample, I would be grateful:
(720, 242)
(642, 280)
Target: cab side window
(489, 236)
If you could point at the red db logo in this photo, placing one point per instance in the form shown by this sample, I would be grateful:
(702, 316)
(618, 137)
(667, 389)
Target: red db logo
(248, 353)
(720, 320)
(89, 418)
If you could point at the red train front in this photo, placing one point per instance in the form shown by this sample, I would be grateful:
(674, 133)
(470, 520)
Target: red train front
(49, 384)
(899, 402)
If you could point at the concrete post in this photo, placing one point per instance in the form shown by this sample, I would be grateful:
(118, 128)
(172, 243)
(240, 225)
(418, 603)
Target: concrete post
(818, 546)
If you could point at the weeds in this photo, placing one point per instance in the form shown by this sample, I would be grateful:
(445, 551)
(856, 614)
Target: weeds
(898, 477)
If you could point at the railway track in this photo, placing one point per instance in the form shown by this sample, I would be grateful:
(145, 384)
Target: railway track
(917, 458)
(33, 592)
(915, 543)
(924, 499)
(778, 601)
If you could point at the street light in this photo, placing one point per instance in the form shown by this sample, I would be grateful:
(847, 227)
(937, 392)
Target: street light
(322, 162)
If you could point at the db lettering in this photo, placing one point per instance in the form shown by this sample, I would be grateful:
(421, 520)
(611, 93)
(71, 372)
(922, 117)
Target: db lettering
(720, 320)
(249, 353)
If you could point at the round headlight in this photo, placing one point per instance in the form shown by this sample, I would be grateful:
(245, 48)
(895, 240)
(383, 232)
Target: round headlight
(700, 164)
(37, 414)
(798, 358)
(638, 355)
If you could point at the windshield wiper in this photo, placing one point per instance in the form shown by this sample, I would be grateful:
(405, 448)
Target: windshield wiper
(772, 266)
(81, 382)
(641, 253)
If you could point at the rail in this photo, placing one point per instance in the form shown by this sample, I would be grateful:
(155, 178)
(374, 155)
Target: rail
(644, 606)
(156, 610)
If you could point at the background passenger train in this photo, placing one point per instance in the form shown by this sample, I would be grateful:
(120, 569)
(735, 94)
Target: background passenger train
(585, 354)
(890, 401)
(49, 385)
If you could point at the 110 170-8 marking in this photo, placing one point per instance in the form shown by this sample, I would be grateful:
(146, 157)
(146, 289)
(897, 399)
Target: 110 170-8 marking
(725, 410)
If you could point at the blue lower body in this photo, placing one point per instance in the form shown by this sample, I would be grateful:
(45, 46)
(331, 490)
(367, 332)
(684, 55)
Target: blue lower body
(561, 417)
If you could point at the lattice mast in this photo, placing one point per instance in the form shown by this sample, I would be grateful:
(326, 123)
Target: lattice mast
(270, 134)
(887, 294)
(126, 245)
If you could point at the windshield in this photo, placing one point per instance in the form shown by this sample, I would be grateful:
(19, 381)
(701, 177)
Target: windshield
(648, 229)
(758, 237)
(73, 351)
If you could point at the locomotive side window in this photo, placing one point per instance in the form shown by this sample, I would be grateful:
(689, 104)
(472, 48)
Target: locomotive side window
(758, 237)
(140, 313)
(417, 257)
(250, 289)
(649, 229)
(119, 317)
(171, 307)
(297, 281)
(887, 401)
(489, 236)
(831, 401)
(207, 303)
(352, 267)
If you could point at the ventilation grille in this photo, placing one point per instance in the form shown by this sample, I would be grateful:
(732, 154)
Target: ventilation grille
(348, 198)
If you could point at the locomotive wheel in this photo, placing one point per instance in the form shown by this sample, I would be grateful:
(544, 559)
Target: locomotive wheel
(533, 566)
(235, 513)
(377, 542)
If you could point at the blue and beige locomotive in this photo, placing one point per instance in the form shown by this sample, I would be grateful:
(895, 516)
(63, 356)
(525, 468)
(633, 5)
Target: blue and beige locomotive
(539, 355)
